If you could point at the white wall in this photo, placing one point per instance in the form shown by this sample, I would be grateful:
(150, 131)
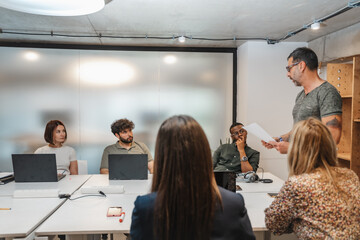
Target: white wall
(266, 96)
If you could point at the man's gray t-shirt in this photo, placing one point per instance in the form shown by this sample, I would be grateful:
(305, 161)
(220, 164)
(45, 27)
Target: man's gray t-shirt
(136, 148)
(321, 102)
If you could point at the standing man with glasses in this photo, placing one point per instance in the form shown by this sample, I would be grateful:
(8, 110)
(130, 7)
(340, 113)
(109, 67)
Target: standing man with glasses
(318, 98)
(238, 156)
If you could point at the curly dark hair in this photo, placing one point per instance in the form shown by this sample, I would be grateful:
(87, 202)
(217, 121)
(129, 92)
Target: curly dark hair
(121, 125)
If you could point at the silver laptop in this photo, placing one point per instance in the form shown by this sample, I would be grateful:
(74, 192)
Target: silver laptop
(35, 168)
(128, 166)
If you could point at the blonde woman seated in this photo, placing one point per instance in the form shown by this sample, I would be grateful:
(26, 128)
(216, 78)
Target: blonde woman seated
(55, 135)
(185, 202)
(319, 200)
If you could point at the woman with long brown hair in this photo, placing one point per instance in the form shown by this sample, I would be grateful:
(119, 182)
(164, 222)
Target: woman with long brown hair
(320, 200)
(185, 202)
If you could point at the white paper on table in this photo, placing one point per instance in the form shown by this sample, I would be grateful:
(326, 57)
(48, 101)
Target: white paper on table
(259, 132)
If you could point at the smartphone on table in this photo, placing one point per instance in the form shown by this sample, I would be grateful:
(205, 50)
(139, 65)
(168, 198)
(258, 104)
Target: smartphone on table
(114, 212)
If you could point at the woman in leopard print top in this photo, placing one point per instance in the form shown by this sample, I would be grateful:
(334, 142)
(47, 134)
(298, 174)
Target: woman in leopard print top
(319, 200)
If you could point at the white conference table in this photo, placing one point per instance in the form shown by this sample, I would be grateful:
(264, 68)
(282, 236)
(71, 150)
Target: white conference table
(130, 186)
(88, 215)
(255, 204)
(260, 187)
(26, 214)
(68, 185)
(257, 200)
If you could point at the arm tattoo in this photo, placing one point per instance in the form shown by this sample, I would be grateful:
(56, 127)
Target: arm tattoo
(333, 123)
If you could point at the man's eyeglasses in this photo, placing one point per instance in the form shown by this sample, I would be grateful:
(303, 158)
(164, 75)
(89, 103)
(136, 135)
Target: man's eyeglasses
(241, 131)
(288, 68)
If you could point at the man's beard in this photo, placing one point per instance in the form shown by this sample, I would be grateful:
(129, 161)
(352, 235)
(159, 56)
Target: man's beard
(296, 83)
(128, 140)
(296, 77)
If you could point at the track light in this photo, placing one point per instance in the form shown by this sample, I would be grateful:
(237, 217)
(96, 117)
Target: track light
(315, 26)
(182, 39)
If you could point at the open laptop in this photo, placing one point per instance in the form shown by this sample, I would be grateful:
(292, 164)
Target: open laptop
(226, 179)
(35, 168)
(128, 166)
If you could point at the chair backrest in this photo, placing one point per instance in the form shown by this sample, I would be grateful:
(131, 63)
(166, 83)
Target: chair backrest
(82, 167)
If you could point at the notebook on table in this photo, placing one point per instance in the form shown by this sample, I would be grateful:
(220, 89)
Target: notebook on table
(128, 166)
(35, 168)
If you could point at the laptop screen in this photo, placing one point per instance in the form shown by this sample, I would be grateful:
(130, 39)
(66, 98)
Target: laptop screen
(34, 167)
(128, 166)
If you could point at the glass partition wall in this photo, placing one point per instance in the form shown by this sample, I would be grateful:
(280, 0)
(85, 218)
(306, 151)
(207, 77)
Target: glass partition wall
(89, 89)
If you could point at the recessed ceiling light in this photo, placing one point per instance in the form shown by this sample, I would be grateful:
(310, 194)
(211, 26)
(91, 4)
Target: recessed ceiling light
(170, 59)
(106, 73)
(54, 7)
(31, 56)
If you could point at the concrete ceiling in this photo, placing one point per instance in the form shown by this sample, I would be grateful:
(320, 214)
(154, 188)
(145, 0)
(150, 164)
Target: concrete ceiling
(192, 18)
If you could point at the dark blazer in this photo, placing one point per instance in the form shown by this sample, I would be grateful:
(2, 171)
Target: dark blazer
(230, 223)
